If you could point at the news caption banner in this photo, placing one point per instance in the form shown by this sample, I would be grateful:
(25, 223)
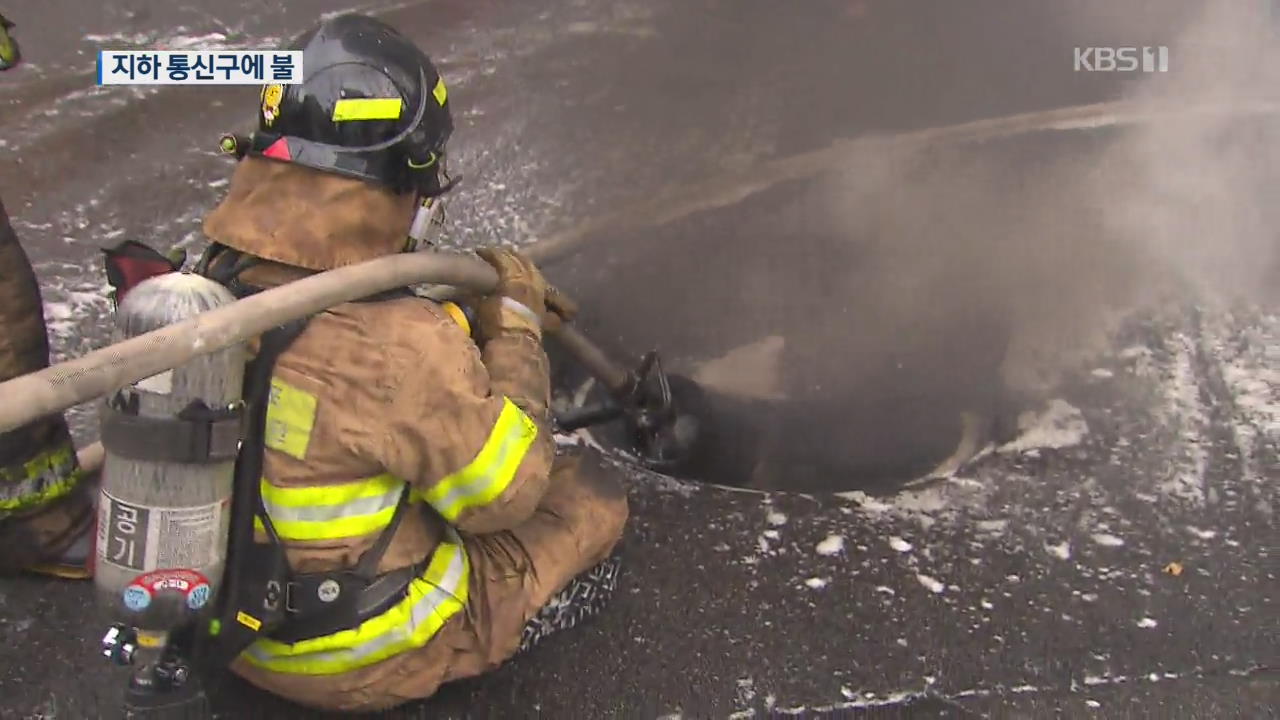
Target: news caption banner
(199, 67)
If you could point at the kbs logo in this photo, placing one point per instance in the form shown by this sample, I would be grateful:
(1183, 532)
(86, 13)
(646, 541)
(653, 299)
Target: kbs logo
(1122, 59)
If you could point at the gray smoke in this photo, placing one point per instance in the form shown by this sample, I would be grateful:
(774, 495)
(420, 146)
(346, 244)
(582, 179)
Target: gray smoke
(853, 323)
(1206, 200)
(1064, 233)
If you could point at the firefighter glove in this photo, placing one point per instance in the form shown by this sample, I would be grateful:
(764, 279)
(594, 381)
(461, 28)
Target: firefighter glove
(518, 301)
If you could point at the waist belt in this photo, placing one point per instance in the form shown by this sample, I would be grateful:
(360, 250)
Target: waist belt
(431, 600)
(318, 604)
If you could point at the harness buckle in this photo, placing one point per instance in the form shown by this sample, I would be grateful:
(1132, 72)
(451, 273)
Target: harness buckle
(289, 594)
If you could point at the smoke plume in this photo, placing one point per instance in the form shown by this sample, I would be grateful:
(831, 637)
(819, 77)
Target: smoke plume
(1062, 234)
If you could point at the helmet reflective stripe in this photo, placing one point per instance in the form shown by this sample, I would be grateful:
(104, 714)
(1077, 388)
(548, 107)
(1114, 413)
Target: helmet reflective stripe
(349, 109)
(330, 512)
(265, 136)
(432, 599)
(494, 467)
(47, 477)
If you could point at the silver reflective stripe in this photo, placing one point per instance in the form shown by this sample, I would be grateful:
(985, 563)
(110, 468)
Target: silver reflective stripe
(58, 473)
(325, 513)
(479, 484)
(419, 614)
(55, 466)
(25, 488)
(522, 310)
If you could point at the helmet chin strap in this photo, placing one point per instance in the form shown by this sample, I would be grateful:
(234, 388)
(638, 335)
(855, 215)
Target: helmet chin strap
(431, 177)
(426, 222)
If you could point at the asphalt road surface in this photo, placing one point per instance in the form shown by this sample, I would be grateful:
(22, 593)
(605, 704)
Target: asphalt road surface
(758, 189)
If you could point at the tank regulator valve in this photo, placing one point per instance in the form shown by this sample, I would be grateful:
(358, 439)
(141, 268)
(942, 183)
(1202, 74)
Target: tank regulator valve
(120, 644)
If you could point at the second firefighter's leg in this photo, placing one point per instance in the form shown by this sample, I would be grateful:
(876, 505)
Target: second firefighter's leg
(45, 517)
(575, 527)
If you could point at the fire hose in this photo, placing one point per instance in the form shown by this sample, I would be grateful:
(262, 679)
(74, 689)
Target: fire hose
(72, 382)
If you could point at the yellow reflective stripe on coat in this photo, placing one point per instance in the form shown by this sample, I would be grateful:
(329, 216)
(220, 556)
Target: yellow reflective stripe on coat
(432, 599)
(487, 476)
(330, 512)
(43, 479)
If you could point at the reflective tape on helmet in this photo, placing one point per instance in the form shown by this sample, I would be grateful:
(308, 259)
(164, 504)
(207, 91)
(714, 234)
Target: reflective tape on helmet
(43, 479)
(348, 109)
(331, 512)
(440, 92)
(432, 599)
(487, 476)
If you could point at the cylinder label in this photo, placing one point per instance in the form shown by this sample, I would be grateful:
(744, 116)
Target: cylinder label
(193, 586)
(122, 532)
(146, 538)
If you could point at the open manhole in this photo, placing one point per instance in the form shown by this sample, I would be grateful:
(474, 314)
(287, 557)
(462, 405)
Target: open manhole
(827, 365)
(876, 439)
(868, 327)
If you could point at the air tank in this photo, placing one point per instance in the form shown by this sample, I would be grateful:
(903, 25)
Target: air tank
(171, 441)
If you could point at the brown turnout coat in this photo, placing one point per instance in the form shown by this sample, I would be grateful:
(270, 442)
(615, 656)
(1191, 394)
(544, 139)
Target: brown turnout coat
(401, 388)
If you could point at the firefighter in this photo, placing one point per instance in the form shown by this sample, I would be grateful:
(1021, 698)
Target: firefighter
(9, 53)
(395, 443)
(46, 511)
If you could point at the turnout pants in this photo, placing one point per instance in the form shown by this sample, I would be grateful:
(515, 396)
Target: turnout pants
(513, 575)
(42, 509)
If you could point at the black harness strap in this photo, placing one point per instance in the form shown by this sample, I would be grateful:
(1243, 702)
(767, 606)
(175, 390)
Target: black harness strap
(324, 603)
(256, 573)
(264, 597)
(316, 604)
(198, 434)
(224, 266)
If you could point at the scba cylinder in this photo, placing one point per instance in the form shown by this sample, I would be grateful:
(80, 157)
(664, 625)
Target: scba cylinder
(171, 442)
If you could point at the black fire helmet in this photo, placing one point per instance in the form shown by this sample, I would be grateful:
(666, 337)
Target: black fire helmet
(371, 106)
